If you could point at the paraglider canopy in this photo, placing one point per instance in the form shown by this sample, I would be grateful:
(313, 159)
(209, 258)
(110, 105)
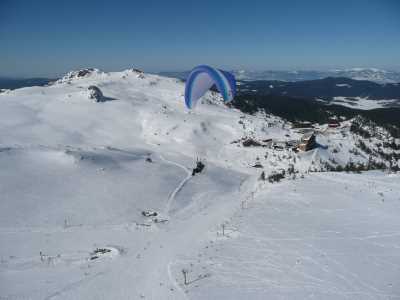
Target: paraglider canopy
(202, 78)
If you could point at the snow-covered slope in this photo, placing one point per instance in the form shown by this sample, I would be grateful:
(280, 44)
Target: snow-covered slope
(143, 110)
(315, 238)
(81, 160)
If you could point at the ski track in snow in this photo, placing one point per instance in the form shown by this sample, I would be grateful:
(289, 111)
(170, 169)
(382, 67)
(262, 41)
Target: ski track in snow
(172, 195)
(72, 286)
(69, 288)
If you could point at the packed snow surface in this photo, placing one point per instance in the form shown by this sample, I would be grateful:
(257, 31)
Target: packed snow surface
(329, 236)
(98, 201)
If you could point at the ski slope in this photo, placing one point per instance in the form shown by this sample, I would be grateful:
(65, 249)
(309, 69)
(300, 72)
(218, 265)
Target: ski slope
(328, 236)
(77, 174)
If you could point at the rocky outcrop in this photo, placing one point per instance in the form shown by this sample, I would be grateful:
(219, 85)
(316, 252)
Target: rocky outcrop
(78, 74)
(94, 93)
(4, 91)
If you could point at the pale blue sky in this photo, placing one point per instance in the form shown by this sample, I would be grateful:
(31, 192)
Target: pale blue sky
(49, 38)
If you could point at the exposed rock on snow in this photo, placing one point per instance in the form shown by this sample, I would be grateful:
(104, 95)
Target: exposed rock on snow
(5, 91)
(249, 142)
(139, 73)
(78, 74)
(149, 213)
(95, 94)
(134, 70)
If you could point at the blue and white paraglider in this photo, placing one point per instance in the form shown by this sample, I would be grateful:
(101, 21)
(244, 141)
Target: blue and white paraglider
(202, 78)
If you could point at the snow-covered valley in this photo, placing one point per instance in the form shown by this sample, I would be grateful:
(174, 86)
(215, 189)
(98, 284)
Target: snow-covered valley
(78, 169)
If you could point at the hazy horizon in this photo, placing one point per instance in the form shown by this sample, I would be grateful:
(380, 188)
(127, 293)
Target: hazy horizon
(55, 76)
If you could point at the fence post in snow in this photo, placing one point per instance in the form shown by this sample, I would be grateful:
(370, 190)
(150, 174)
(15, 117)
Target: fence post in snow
(184, 272)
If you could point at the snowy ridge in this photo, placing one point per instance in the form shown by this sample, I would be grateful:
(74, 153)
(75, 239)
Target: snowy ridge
(77, 176)
(79, 74)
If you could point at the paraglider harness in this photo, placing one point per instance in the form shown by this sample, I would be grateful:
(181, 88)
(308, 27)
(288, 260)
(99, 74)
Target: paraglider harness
(199, 167)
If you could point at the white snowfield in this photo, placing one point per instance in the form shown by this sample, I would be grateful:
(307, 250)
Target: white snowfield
(328, 236)
(76, 175)
(363, 103)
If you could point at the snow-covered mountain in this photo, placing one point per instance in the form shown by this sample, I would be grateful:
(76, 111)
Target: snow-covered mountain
(98, 197)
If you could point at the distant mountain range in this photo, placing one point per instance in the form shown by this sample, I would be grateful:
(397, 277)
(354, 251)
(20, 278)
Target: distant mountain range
(307, 109)
(359, 94)
(357, 88)
(371, 74)
(318, 100)
(16, 83)
(362, 74)
(325, 89)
